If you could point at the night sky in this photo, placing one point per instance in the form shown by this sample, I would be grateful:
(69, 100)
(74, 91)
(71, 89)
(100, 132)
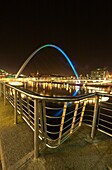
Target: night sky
(83, 30)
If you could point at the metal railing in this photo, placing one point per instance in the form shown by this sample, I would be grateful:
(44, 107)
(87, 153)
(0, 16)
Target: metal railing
(104, 120)
(54, 119)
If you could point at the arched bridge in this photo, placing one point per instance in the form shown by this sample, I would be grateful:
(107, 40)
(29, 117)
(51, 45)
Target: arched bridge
(42, 47)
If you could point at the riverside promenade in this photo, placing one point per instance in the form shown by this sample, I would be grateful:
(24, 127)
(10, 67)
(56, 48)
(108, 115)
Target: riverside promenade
(79, 152)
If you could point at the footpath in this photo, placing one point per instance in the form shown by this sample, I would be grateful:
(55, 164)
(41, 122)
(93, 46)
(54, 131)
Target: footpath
(76, 153)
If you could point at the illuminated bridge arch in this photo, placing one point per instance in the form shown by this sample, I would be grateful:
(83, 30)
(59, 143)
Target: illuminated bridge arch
(42, 47)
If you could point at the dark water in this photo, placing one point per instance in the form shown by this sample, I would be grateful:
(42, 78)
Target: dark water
(49, 89)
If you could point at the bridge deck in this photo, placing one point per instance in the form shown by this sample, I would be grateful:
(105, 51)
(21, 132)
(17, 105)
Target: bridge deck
(78, 152)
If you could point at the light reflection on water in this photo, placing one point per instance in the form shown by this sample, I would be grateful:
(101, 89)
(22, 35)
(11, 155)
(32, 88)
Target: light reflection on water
(50, 89)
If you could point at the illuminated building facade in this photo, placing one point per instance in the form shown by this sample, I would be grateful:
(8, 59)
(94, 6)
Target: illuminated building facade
(100, 74)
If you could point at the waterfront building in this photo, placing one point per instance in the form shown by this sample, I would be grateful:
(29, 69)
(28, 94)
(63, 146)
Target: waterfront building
(99, 74)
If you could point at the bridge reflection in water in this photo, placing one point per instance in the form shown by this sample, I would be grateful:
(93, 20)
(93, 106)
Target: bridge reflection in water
(39, 112)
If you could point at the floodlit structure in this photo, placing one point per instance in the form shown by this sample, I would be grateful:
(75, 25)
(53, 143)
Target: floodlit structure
(99, 74)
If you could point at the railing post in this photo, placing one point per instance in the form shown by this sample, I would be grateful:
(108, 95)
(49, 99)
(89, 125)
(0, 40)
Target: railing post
(62, 122)
(95, 117)
(4, 92)
(41, 127)
(36, 129)
(15, 107)
(74, 117)
(44, 121)
(82, 113)
(20, 103)
(28, 106)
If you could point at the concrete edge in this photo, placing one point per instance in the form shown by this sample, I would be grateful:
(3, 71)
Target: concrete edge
(18, 164)
(22, 161)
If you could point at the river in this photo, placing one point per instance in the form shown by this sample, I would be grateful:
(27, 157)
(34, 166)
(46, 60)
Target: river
(49, 89)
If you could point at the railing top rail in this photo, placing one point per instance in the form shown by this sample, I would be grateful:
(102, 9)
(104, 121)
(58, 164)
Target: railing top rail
(50, 98)
(103, 94)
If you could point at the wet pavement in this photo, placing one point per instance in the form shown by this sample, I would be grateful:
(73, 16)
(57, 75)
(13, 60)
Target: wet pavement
(78, 152)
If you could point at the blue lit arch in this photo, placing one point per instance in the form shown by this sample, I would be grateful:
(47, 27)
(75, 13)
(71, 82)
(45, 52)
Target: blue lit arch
(45, 46)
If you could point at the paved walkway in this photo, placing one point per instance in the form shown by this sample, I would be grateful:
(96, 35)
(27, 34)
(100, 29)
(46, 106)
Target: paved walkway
(77, 153)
